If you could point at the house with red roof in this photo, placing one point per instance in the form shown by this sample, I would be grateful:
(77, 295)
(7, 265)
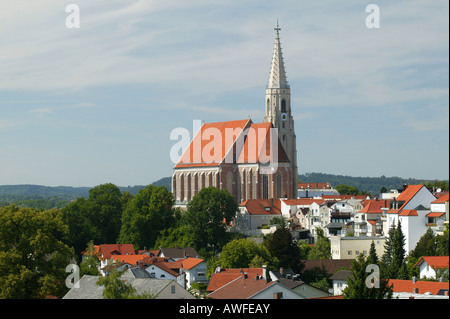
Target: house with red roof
(368, 221)
(247, 287)
(253, 214)
(223, 276)
(410, 209)
(417, 289)
(429, 266)
(107, 252)
(438, 217)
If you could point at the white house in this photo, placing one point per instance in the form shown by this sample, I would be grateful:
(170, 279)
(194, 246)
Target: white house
(339, 281)
(428, 266)
(410, 209)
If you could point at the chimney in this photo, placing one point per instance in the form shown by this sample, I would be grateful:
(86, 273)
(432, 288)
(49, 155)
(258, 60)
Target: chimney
(281, 271)
(405, 186)
(415, 290)
(271, 202)
(414, 279)
(264, 275)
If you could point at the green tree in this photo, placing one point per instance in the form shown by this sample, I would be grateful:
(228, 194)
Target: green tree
(241, 253)
(346, 189)
(33, 258)
(149, 212)
(386, 259)
(358, 285)
(282, 246)
(96, 218)
(182, 236)
(104, 206)
(322, 248)
(442, 243)
(398, 269)
(208, 213)
(90, 263)
(117, 288)
(426, 246)
(373, 257)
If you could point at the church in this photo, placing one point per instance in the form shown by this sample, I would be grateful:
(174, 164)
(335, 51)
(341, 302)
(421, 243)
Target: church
(249, 160)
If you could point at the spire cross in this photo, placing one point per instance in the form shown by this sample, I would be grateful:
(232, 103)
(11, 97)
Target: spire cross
(277, 29)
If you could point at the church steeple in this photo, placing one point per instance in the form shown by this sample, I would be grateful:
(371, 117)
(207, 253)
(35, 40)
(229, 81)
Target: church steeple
(278, 108)
(277, 77)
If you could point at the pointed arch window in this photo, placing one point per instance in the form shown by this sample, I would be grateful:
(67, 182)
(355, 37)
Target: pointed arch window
(283, 105)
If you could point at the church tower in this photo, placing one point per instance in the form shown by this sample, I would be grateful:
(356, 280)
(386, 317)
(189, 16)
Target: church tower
(278, 107)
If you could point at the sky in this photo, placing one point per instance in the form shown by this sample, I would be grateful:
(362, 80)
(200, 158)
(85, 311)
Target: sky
(97, 104)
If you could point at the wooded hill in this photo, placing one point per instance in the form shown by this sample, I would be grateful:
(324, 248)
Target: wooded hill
(57, 197)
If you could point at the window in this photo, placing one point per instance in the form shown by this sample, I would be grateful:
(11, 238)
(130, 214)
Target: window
(349, 252)
(283, 106)
(265, 187)
(278, 186)
(172, 289)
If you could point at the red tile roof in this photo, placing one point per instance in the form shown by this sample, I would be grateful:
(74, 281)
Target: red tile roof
(202, 144)
(257, 146)
(434, 261)
(262, 206)
(314, 186)
(441, 200)
(214, 144)
(372, 206)
(131, 259)
(303, 201)
(434, 214)
(408, 212)
(422, 286)
(240, 288)
(190, 263)
(220, 279)
(108, 250)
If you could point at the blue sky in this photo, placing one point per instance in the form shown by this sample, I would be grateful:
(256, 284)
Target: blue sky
(93, 105)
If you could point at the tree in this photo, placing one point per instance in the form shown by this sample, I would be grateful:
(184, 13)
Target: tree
(33, 258)
(241, 253)
(398, 268)
(117, 288)
(426, 246)
(322, 248)
(387, 255)
(281, 246)
(182, 236)
(149, 212)
(89, 265)
(393, 260)
(442, 243)
(104, 206)
(96, 218)
(358, 285)
(208, 213)
(373, 257)
(346, 189)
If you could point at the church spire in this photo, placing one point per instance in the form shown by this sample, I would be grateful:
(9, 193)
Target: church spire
(277, 78)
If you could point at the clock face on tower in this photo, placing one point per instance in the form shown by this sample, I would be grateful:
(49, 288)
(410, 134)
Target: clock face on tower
(284, 116)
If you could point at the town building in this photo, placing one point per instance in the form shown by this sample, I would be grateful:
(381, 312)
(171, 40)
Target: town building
(351, 247)
(249, 160)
